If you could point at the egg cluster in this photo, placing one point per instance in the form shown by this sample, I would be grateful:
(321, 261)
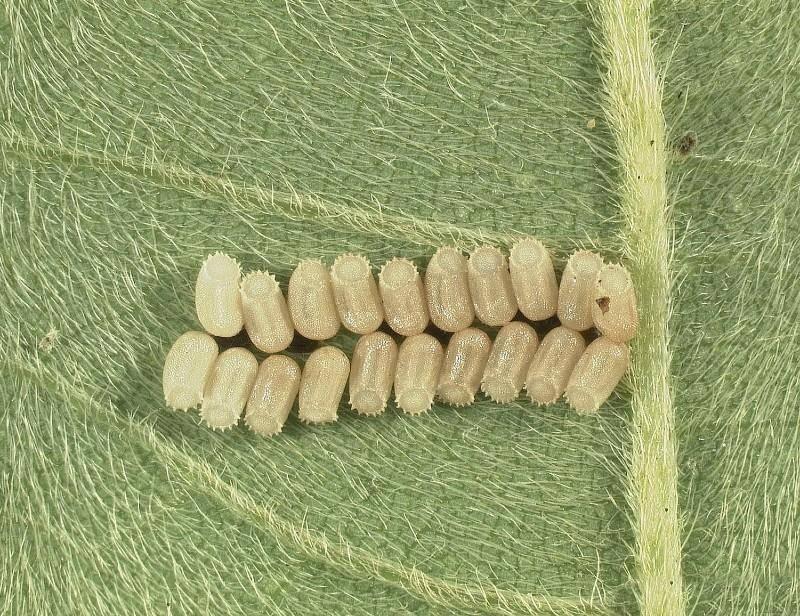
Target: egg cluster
(454, 292)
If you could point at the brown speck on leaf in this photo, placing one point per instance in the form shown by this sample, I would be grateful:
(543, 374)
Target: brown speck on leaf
(591, 123)
(48, 341)
(603, 303)
(686, 144)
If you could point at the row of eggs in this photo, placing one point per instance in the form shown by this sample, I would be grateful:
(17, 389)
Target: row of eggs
(419, 369)
(455, 291)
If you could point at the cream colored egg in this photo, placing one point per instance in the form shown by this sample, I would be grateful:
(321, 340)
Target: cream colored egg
(358, 301)
(614, 309)
(533, 279)
(447, 290)
(490, 286)
(576, 293)
(553, 364)
(597, 373)
(228, 388)
(186, 369)
(273, 394)
(322, 385)
(511, 355)
(403, 295)
(463, 366)
(217, 301)
(266, 314)
(419, 363)
(311, 303)
(372, 373)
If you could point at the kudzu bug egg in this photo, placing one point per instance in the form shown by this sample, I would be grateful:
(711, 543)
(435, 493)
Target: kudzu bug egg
(217, 300)
(419, 363)
(576, 293)
(596, 374)
(311, 303)
(447, 290)
(322, 385)
(553, 364)
(614, 309)
(533, 279)
(463, 366)
(266, 314)
(372, 372)
(403, 295)
(490, 286)
(272, 395)
(186, 369)
(509, 359)
(356, 294)
(228, 388)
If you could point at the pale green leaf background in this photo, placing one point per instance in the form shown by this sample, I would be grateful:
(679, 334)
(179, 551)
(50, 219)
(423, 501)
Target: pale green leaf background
(136, 139)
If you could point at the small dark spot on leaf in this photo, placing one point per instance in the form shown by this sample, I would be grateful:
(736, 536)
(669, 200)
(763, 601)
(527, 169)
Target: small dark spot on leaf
(686, 144)
(603, 302)
(48, 341)
(652, 141)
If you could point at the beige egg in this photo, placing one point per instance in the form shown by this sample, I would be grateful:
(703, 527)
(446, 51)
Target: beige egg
(358, 301)
(228, 388)
(614, 309)
(553, 364)
(372, 373)
(186, 369)
(266, 314)
(311, 303)
(509, 359)
(403, 295)
(463, 366)
(322, 385)
(447, 290)
(576, 293)
(217, 301)
(533, 279)
(597, 373)
(419, 363)
(490, 286)
(272, 395)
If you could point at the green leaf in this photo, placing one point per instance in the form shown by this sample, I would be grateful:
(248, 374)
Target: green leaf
(136, 139)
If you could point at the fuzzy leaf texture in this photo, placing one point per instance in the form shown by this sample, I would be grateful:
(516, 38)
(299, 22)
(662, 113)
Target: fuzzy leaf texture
(137, 139)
